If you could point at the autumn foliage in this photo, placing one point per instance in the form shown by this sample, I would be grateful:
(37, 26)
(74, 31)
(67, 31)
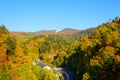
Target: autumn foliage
(92, 54)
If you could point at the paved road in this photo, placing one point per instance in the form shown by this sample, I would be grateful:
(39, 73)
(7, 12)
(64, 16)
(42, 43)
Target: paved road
(68, 75)
(71, 77)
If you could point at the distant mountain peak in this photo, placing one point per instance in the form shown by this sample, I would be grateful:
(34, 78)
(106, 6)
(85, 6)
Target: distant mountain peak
(69, 29)
(63, 31)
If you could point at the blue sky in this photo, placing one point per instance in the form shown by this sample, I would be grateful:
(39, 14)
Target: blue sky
(35, 15)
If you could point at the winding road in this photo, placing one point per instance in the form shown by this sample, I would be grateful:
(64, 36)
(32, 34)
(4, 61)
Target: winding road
(67, 74)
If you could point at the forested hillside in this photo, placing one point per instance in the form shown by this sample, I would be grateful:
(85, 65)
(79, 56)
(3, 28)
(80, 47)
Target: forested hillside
(97, 57)
(16, 62)
(92, 54)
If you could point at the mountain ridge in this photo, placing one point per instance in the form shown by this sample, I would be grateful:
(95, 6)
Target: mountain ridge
(50, 32)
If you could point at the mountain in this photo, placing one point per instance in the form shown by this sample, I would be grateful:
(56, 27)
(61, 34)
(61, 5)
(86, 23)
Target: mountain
(68, 29)
(73, 33)
(64, 31)
(45, 32)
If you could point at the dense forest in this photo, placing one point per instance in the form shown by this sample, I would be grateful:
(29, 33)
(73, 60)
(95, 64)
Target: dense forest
(92, 54)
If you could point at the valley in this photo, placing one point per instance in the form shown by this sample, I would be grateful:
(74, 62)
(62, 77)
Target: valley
(91, 54)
